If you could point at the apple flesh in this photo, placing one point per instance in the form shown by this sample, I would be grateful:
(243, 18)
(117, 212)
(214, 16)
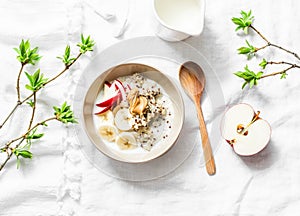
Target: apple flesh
(244, 130)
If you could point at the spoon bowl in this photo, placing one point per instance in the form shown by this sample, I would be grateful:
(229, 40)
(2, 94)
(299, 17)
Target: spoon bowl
(192, 79)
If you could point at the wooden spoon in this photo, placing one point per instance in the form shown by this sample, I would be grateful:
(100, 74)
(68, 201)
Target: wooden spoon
(192, 79)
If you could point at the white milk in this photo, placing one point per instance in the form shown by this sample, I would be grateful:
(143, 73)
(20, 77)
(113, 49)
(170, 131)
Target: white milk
(181, 15)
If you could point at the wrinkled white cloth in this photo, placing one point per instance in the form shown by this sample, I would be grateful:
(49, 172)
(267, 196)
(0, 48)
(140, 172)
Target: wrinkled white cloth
(38, 188)
(61, 181)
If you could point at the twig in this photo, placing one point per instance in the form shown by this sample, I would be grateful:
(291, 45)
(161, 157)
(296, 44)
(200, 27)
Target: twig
(263, 47)
(21, 138)
(31, 95)
(279, 72)
(54, 78)
(283, 62)
(273, 45)
(6, 160)
(263, 37)
(33, 110)
(283, 71)
(288, 51)
(9, 115)
(64, 70)
(18, 82)
(24, 135)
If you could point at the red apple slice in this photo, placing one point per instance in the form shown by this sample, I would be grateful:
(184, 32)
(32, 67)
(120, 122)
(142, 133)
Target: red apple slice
(120, 87)
(113, 93)
(244, 130)
(120, 83)
(109, 91)
(110, 96)
(103, 110)
(110, 101)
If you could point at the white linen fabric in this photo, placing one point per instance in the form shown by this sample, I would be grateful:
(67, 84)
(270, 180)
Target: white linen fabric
(51, 25)
(59, 180)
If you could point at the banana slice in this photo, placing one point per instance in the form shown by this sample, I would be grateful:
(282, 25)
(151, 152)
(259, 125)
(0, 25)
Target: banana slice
(106, 118)
(126, 140)
(108, 132)
(123, 119)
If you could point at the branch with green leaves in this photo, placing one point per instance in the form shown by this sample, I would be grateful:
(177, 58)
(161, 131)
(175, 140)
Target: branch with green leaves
(26, 55)
(36, 82)
(62, 114)
(245, 22)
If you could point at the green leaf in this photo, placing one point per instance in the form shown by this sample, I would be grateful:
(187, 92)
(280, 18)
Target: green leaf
(259, 74)
(283, 75)
(86, 44)
(36, 81)
(44, 124)
(244, 50)
(263, 64)
(244, 21)
(29, 87)
(34, 135)
(64, 114)
(237, 21)
(30, 102)
(249, 77)
(248, 50)
(21, 152)
(17, 50)
(26, 55)
(66, 58)
(35, 77)
(29, 77)
(244, 85)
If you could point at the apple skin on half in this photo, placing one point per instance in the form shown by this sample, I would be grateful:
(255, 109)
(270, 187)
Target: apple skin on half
(247, 133)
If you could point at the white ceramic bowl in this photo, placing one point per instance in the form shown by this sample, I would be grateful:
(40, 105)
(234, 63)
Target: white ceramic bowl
(128, 155)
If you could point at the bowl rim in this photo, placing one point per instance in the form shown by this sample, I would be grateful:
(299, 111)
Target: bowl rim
(180, 105)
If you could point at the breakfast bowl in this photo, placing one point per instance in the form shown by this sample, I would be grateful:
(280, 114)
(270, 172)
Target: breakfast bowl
(133, 113)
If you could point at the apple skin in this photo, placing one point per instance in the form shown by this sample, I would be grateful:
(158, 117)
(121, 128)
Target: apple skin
(107, 83)
(260, 128)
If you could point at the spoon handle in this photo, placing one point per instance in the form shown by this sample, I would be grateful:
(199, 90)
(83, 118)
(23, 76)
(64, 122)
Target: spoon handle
(207, 151)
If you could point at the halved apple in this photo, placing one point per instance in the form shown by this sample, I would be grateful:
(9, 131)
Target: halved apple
(244, 130)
